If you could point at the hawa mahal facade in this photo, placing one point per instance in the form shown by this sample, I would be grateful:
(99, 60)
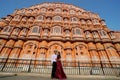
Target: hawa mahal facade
(79, 35)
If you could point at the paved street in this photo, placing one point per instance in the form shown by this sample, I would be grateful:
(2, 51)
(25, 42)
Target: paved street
(33, 76)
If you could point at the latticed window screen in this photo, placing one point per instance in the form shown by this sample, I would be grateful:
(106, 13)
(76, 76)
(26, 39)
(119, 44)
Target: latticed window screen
(7, 29)
(35, 29)
(57, 30)
(102, 33)
(57, 18)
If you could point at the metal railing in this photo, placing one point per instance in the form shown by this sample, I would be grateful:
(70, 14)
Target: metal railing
(72, 68)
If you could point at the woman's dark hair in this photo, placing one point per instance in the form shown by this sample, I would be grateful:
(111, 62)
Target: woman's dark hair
(58, 56)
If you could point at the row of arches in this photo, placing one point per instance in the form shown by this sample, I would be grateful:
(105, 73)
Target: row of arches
(51, 9)
(78, 51)
(56, 18)
(58, 30)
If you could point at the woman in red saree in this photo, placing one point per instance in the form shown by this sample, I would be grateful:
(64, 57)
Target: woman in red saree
(59, 74)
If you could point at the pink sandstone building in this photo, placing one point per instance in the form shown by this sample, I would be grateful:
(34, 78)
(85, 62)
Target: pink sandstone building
(79, 35)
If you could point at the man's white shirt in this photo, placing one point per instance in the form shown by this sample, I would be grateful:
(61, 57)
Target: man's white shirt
(54, 56)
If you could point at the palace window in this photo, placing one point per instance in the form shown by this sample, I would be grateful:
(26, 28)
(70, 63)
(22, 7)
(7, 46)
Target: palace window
(16, 30)
(74, 19)
(65, 19)
(89, 22)
(57, 18)
(95, 34)
(48, 19)
(83, 21)
(24, 18)
(67, 32)
(8, 18)
(87, 34)
(7, 29)
(80, 51)
(50, 10)
(46, 31)
(24, 30)
(35, 29)
(72, 12)
(95, 21)
(36, 9)
(17, 17)
(43, 10)
(40, 18)
(112, 35)
(31, 19)
(79, 13)
(23, 11)
(103, 33)
(77, 31)
(30, 10)
(56, 30)
(58, 10)
(64, 11)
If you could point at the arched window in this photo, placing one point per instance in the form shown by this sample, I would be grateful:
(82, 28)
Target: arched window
(65, 19)
(67, 32)
(76, 31)
(31, 19)
(79, 13)
(16, 30)
(40, 18)
(7, 29)
(83, 21)
(17, 17)
(24, 18)
(57, 18)
(74, 19)
(56, 30)
(24, 30)
(81, 53)
(89, 22)
(8, 18)
(43, 10)
(46, 31)
(48, 19)
(23, 11)
(29, 50)
(50, 10)
(35, 29)
(95, 34)
(65, 11)
(103, 33)
(30, 10)
(88, 34)
(112, 35)
(58, 10)
(95, 21)
(72, 11)
(36, 10)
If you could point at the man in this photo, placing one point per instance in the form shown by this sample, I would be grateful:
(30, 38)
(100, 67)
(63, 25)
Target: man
(54, 65)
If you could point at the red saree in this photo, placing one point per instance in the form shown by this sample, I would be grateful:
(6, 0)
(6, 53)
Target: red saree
(59, 74)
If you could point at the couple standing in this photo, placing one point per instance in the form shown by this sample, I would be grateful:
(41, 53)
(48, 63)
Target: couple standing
(57, 69)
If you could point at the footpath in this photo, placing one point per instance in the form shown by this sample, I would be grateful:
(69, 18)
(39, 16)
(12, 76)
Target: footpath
(36, 76)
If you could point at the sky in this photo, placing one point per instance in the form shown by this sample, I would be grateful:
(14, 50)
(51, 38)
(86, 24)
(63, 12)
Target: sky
(109, 10)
